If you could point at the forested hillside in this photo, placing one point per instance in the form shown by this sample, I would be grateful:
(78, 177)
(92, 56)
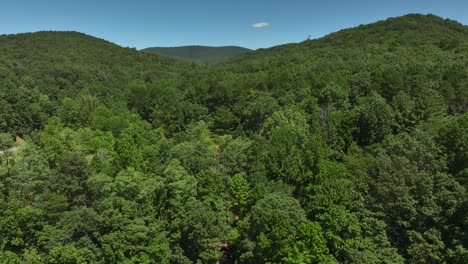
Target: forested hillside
(352, 148)
(198, 54)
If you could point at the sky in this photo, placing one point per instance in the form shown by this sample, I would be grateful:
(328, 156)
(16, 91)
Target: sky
(252, 24)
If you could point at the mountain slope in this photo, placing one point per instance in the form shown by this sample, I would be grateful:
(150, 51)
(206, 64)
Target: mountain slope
(57, 65)
(384, 48)
(410, 31)
(74, 45)
(198, 54)
(49, 54)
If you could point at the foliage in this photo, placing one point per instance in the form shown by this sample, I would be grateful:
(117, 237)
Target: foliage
(351, 148)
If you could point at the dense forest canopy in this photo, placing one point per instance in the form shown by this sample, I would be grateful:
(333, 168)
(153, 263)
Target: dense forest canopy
(352, 148)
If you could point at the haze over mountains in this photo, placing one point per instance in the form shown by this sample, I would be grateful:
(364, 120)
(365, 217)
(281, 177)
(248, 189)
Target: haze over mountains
(351, 148)
(198, 54)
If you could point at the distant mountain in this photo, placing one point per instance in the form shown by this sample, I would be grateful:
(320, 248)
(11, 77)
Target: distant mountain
(198, 54)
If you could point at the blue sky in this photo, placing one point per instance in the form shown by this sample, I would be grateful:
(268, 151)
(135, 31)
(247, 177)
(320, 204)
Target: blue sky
(148, 23)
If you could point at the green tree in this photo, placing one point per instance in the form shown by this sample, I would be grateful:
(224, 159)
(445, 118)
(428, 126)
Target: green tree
(271, 229)
(454, 139)
(374, 120)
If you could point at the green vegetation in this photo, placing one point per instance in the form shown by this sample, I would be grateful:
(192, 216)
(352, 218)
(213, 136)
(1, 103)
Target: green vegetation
(347, 149)
(198, 54)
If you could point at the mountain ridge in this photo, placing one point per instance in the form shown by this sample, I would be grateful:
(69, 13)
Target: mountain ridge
(346, 37)
(406, 30)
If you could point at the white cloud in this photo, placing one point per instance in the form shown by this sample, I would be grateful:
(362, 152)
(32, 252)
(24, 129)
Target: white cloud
(261, 25)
